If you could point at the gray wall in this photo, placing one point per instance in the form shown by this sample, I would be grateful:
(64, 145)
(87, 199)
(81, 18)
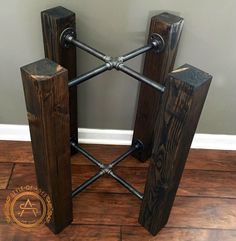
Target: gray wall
(115, 27)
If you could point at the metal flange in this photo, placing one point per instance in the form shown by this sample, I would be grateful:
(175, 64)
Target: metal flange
(158, 42)
(67, 35)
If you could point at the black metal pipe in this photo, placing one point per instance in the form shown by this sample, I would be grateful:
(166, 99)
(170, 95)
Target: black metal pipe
(140, 77)
(91, 180)
(80, 79)
(136, 52)
(87, 48)
(122, 157)
(138, 145)
(126, 185)
(88, 155)
(107, 169)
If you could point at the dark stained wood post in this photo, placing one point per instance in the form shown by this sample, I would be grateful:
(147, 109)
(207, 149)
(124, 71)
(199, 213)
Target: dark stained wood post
(179, 112)
(47, 102)
(54, 21)
(156, 67)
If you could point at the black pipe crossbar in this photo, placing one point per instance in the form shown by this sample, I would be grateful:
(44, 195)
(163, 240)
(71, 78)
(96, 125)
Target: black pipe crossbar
(87, 48)
(123, 156)
(142, 78)
(88, 182)
(126, 185)
(87, 155)
(88, 75)
(156, 43)
(107, 169)
(136, 52)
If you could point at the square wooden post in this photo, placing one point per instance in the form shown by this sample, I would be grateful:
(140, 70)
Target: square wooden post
(179, 112)
(47, 102)
(156, 67)
(54, 21)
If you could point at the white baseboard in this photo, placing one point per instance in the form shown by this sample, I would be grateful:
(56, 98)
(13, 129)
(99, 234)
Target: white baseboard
(14, 132)
(105, 136)
(120, 137)
(86, 136)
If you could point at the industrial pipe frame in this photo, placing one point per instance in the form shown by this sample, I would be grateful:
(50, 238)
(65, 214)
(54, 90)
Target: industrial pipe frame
(156, 43)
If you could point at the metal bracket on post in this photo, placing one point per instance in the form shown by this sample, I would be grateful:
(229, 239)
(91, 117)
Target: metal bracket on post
(67, 33)
(158, 42)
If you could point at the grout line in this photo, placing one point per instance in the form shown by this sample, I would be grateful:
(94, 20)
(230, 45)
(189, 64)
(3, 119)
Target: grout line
(121, 233)
(197, 228)
(117, 193)
(199, 196)
(15, 162)
(128, 166)
(139, 226)
(12, 169)
(120, 193)
(178, 227)
(207, 170)
(98, 224)
(10, 162)
(141, 167)
(180, 196)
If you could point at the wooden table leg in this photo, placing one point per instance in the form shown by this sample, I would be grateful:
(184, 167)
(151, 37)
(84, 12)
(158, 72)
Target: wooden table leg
(54, 21)
(156, 67)
(47, 102)
(179, 112)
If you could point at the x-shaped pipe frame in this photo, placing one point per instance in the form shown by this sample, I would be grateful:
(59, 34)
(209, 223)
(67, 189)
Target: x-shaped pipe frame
(156, 43)
(107, 169)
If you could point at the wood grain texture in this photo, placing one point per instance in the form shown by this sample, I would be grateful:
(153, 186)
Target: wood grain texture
(194, 183)
(156, 67)
(196, 212)
(107, 153)
(203, 215)
(204, 183)
(20, 151)
(47, 104)
(134, 176)
(213, 160)
(4, 193)
(24, 174)
(182, 103)
(197, 183)
(6, 170)
(178, 234)
(122, 209)
(105, 209)
(71, 233)
(54, 21)
(198, 159)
